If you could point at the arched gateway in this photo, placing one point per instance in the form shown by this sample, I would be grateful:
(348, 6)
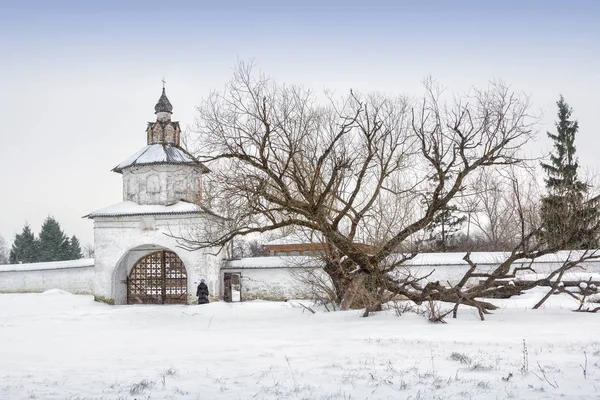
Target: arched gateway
(157, 278)
(162, 199)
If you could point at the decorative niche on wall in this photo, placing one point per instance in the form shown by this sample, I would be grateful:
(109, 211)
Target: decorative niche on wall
(152, 184)
(180, 185)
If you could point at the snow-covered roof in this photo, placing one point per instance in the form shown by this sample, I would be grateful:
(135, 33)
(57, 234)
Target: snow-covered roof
(273, 262)
(296, 238)
(82, 263)
(421, 260)
(568, 277)
(432, 259)
(160, 154)
(131, 208)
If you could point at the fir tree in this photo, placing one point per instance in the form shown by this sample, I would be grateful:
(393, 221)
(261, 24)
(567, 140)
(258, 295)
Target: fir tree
(54, 244)
(443, 228)
(25, 247)
(566, 216)
(445, 224)
(64, 252)
(75, 249)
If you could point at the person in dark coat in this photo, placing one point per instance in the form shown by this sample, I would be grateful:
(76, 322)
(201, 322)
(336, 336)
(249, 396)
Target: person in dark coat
(202, 292)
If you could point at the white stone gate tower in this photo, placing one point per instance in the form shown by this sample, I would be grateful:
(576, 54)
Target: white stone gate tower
(137, 258)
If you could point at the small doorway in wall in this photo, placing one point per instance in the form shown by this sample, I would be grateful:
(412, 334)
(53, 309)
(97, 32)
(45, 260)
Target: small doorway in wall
(232, 287)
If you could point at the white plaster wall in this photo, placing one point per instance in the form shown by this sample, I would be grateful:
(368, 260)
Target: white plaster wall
(116, 237)
(162, 184)
(281, 283)
(77, 280)
(268, 283)
(453, 273)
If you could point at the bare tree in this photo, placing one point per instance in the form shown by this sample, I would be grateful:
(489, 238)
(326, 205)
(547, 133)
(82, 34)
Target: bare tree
(281, 158)
(494, 211)
(3, 251)
(247, 248)
(88, 251)
(492, 220)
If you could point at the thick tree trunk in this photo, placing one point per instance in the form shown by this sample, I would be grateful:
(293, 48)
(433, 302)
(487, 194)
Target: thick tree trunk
(354, 292)
(340, 284)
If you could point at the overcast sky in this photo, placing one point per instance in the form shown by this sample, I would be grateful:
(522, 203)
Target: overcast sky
(79, 80)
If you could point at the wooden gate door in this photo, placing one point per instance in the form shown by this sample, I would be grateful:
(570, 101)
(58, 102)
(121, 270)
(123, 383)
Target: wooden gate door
(158, 278)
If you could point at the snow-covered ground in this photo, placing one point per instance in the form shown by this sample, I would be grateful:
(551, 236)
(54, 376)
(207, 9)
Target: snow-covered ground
(57, 345)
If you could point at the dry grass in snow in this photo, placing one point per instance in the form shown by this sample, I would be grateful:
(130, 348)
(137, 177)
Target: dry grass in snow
(61, 346)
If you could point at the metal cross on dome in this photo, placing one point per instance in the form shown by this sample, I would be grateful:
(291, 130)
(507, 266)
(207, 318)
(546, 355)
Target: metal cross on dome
(163, 81)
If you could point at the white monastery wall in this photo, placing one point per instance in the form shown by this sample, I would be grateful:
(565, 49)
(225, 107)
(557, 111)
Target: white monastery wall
(453, 273)
(268, 283)
(161, 183)
(274, 278)
(75, 276)
(261, 278)
(121, 241)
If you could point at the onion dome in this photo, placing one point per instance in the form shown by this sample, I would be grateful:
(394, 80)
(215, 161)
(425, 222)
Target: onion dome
(163, 105)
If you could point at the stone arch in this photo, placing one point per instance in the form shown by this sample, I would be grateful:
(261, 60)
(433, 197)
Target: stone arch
(144, 254)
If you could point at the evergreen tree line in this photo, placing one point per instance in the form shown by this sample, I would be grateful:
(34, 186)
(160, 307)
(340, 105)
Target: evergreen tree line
(52, 244)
